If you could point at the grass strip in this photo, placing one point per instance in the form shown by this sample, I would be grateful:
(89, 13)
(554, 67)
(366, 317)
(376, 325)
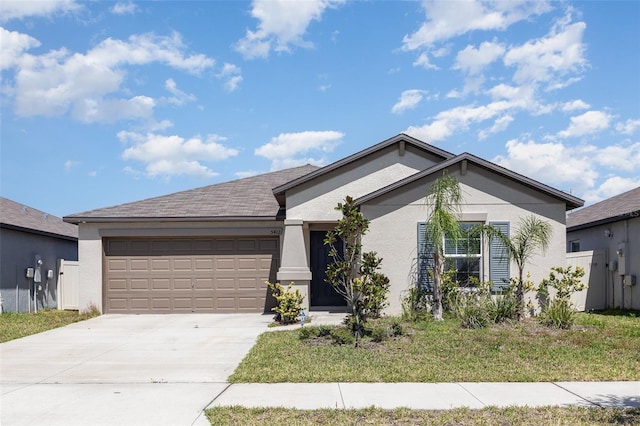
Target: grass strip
(444, 352)
(568, 416)
(14, 325)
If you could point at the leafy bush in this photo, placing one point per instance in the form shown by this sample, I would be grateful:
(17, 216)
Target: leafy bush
(502, 307)
(289, 302)
(324, 330)
(472, 311)
(342, 336)
(373, 286)
(559, 314)
(416, 304)
(306, 333)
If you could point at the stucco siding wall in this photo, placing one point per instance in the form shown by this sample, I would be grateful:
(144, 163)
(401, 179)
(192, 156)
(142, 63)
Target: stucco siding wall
(394, 218)
(90, 249)
(315, 200)
(18, 253)
(618, 295)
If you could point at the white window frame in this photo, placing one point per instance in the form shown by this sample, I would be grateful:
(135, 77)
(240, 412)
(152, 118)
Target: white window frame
(479, 256)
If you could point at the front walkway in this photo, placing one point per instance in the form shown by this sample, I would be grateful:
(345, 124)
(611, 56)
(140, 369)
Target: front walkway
(429, 396)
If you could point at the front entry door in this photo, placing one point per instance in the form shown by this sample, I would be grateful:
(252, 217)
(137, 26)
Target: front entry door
(322, 293)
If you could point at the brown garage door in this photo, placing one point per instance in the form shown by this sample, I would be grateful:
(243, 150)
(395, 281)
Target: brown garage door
(172, 275)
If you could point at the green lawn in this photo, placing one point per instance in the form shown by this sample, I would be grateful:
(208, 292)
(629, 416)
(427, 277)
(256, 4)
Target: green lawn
(14, 325)
(599, 348)
(512, 416)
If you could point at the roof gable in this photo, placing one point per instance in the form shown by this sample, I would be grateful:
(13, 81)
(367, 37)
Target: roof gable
(619, 207)
(571, 201)
(241, 199)
(401, 139)
(16, 215)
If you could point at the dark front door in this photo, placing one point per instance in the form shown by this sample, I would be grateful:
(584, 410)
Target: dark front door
(322, 293)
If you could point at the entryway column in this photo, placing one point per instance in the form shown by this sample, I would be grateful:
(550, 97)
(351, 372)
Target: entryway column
(294, 264)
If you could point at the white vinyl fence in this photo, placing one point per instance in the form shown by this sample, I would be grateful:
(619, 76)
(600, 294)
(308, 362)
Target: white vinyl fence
(68, 284)
(594, 296)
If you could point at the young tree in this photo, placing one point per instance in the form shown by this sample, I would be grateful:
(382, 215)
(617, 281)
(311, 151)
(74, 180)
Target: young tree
(443, 200)
(354, 274)
(532, 236)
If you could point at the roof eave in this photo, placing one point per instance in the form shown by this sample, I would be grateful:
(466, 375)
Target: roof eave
(280, 190)
(105, 219)
(38, 232)
(605, 221)
(571, 202)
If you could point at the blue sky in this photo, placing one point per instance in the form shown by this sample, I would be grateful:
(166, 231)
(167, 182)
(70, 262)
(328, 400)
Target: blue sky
(110, 102)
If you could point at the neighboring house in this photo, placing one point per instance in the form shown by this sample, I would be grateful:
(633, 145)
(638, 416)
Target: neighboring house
(27, 235)
(612, 227)
(211, 249)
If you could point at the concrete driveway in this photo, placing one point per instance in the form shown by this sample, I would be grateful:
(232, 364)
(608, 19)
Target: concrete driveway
(124, 369)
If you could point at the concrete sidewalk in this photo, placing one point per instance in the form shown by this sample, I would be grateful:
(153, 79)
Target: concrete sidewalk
(429, 396)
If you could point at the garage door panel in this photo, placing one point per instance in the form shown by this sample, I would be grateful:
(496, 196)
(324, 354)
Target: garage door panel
(139, 284)
(189, 275)
(160, 284)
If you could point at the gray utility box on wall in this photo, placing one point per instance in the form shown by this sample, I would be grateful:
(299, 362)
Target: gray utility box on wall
(629, 280)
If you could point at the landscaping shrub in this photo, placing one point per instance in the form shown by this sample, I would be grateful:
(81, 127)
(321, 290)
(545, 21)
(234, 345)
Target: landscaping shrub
(502, 307)
(472, 311)
(559, 314)
(289, 302)
(559, 311)
(342, 336)
(416, 304)
(307, 333)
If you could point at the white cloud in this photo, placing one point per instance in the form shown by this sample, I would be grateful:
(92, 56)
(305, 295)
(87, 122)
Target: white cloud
(585, 124)
(423, 61)
(550, 58)
(458, 119)
(179, 97)
(619, 157)
(499, 125)
(232, 74)
(575, 105)
(628, 127)
(173, 155)
(13, 44)
(610, 187)
(70, 164)
(409, 99)
(111, 110)
(282, 24)
(448, 19)
(124, 8)
(293, 149)
(551, 163)
(473, 61)
(88, 84)
(576, 168)
(20, 9)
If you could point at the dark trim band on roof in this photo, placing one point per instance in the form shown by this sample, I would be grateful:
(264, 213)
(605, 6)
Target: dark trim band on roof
(89, 219)
(618, 218)
(38, 232)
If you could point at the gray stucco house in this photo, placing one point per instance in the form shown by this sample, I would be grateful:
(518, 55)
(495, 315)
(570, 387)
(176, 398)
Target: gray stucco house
(211, 249)
(611, 227)
(26, 235)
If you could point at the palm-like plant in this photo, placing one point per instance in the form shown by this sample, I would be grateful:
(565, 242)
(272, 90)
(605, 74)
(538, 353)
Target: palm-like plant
(443, 199)
(532, 236)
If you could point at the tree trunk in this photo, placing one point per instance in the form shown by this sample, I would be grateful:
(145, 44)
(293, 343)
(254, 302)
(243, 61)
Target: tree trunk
(520, 296)
(437, 287)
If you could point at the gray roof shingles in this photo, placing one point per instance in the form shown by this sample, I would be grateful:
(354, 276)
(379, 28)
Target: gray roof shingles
(246, 198)
(16, 215)
(623, 206)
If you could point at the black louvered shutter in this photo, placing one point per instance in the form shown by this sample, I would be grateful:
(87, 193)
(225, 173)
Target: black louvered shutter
(425, 258)
(499, 258)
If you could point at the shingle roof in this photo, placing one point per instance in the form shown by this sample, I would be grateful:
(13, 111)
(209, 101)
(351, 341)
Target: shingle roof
(248, 198)
(571, 202)
(620, 207)
(16, 215)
